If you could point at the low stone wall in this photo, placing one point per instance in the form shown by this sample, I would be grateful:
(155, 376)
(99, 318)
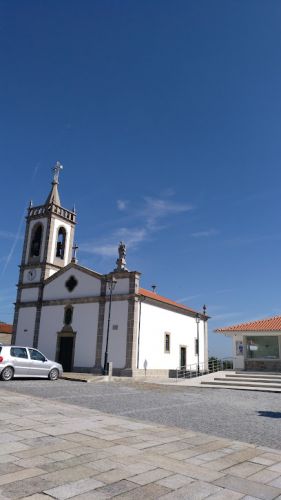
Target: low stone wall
(267, 365)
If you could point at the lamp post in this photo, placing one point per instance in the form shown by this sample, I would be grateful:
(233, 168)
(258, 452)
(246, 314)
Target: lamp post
(197, 323)
(111, 282)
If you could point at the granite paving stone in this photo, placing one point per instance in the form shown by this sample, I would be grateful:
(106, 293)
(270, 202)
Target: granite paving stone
(7, 468)
(276, 482)
(70, 474)
(33, 462)
(87, 455)
(175, 481)
(261, 460)
(194, 491)
(37, 496)
(244, 469)
(176, 466)
(26, 487)
(115, 489)
(276, 467)
(73, 488)
(265, 476)
(20, 475)
(248, 487)
(113, 476)
(226, 495)
(150, 491)
(150, 476)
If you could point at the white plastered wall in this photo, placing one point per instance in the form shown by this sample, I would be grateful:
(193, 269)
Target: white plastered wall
(84, 324)
(238, 360)
(33, 223)
(121, 287)
(117, 341)
(29, 294)
(155, 322)
(50, 324)
(87, 286)
(25, 326)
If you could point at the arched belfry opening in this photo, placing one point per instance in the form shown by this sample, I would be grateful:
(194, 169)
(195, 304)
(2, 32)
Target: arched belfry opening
(61, 239)
(36, 241)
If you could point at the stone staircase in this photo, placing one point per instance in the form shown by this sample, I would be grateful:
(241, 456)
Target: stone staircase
(250, 381)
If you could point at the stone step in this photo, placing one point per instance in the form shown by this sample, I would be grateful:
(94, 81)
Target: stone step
(254, 375)
(216, 385)
(240, 384)
(250, 379)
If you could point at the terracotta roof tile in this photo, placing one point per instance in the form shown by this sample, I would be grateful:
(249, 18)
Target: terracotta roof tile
(5, 328)
(261, 325)
(160, 298)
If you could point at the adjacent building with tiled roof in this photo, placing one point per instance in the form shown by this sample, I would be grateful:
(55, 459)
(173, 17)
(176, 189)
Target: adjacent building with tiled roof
(5, 333)
(256, 344)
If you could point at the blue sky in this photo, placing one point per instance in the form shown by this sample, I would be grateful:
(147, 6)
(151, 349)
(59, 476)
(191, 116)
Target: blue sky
(166, 117)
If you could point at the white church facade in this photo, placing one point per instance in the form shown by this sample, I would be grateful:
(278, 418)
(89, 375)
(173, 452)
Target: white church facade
(83, 319)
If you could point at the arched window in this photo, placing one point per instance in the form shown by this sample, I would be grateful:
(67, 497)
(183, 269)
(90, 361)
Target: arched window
(68, 313)
(61, 243)
(36, 242)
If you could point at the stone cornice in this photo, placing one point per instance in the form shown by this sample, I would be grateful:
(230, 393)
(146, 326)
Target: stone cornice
(73, 266)
(78, 300)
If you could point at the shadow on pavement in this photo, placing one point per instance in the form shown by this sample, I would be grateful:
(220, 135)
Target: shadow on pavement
(270, 414)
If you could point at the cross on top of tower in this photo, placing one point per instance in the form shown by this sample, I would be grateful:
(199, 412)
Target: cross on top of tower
(57, 168)
(74, 253)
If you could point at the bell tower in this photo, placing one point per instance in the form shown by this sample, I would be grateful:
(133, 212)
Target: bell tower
(49, 236)
(48, 243)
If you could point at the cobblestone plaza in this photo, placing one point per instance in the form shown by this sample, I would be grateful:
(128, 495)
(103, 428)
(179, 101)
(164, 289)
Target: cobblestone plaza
(54, 447)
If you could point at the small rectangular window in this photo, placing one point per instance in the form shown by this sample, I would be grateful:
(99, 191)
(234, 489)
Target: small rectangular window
(196, 347)
(114, 327)
(167, 342)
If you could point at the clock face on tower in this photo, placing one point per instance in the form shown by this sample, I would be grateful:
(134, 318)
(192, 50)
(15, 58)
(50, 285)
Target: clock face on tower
(31, 275)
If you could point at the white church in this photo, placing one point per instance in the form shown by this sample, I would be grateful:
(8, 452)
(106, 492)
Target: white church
(84, 319)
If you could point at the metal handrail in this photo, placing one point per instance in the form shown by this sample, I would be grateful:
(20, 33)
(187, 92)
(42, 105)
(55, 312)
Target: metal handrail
(197, 370)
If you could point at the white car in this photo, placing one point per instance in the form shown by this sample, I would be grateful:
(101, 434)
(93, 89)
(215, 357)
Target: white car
(17, 361)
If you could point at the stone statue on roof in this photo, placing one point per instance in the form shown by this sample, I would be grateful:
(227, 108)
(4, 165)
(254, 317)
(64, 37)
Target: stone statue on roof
(121, 261)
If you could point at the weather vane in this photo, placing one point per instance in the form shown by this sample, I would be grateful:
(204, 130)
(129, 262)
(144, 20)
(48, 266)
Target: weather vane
(57, 168)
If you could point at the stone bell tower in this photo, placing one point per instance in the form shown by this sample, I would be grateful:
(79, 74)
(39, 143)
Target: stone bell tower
(47, 248)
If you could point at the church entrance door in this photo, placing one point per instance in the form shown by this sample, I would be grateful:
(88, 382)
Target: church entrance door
(65, 356)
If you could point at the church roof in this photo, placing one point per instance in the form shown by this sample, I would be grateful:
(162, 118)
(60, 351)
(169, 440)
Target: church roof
(5, 328)
(165, 300)
(262, 325)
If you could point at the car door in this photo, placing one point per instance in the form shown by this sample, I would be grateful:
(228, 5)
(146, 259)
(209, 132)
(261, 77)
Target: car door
(38, 363)
(20, 361)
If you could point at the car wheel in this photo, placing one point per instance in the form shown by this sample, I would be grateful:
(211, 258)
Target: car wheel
(7, 374)
(54, 374)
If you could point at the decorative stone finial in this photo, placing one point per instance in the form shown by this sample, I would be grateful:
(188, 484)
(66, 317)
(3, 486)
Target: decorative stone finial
(121, 261)
(204, 309)
(57, 168)
(74, 253)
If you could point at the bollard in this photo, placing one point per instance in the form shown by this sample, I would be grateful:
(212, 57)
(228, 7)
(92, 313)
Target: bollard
(109, 369)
